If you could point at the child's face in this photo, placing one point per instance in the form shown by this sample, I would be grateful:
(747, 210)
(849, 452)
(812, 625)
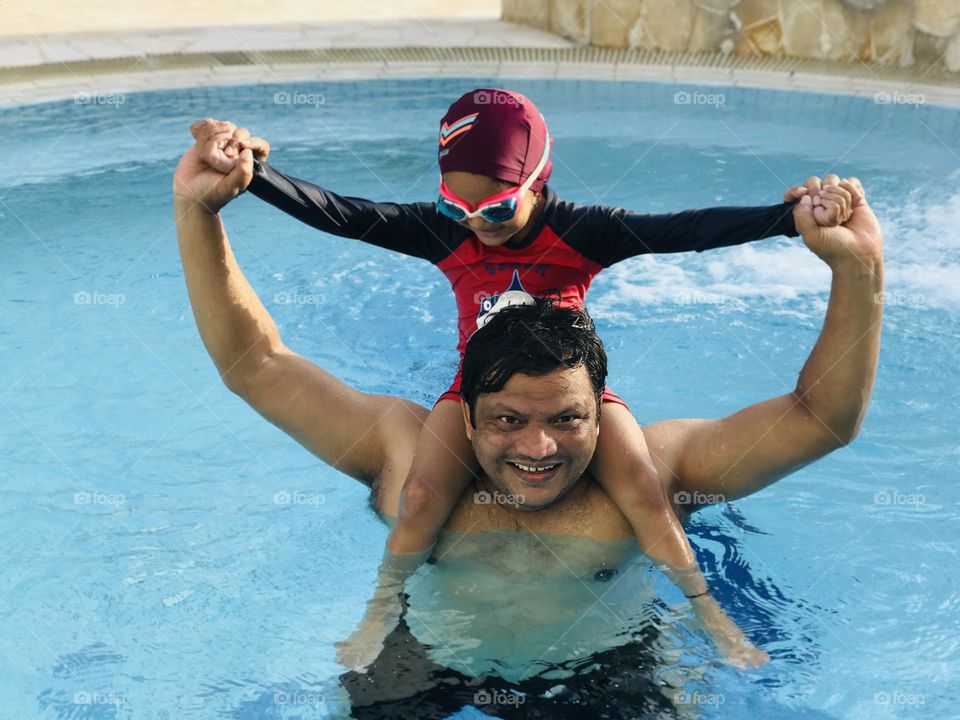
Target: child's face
(474, 188)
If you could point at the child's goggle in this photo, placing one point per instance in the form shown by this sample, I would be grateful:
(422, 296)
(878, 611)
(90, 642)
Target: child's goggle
(494, 209)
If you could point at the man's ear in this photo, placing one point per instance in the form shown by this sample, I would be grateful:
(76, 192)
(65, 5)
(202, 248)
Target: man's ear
(466, 418)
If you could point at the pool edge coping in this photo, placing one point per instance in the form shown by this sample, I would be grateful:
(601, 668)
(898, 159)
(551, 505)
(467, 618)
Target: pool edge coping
(50, 82)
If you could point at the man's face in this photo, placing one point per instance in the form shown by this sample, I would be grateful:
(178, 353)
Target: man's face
(535, 438)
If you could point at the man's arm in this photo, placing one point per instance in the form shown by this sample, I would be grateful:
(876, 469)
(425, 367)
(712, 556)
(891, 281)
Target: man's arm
(354, 432)
(741, 454)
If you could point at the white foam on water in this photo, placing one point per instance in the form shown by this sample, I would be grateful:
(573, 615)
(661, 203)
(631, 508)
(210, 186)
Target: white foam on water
(922, 252)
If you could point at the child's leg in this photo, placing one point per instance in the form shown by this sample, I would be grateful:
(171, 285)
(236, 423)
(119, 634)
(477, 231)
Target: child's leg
(622, 464)
(442, 468)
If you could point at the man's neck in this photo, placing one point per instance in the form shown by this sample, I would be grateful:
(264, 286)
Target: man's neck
(575, 493)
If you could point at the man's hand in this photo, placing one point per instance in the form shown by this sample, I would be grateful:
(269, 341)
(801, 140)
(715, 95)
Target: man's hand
(219, 166)
(220, 143)
(860, 237)
(832, 200)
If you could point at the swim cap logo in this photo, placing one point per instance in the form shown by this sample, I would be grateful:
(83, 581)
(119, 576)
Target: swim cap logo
(458, 127)
(515, 294)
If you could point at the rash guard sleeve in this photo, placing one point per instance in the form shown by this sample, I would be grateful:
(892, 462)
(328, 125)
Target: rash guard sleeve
(415, 229)
(626, 234)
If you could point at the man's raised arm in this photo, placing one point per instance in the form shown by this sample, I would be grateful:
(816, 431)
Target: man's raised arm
(352, 431)
(741, 454)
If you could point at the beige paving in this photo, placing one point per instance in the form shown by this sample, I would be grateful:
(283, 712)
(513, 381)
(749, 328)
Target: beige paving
(45, 17)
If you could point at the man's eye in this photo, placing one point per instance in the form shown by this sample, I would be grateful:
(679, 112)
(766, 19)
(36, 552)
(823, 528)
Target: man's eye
(567, 419)
(508, 420)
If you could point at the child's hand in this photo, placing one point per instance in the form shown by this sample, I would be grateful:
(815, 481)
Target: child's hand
(795, 193)
(220, 144)
(832, 200)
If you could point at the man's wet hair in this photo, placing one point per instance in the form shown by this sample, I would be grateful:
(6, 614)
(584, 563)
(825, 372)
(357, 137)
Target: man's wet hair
(534, 340)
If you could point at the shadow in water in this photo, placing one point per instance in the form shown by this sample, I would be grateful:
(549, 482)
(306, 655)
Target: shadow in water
(620, 683)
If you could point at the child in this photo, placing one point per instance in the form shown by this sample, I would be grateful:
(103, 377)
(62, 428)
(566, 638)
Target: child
(497, 231)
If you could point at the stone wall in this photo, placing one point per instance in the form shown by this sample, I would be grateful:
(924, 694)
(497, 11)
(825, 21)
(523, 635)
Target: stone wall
(889, 32)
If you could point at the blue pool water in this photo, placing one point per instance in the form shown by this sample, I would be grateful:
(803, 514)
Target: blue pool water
(168, 554)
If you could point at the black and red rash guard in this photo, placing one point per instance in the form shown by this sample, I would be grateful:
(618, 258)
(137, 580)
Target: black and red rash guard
(567, 246)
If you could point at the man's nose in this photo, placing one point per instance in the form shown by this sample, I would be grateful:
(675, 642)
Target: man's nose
(536, 443)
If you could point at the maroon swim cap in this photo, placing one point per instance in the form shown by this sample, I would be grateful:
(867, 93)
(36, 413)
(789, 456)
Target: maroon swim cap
(497, 133)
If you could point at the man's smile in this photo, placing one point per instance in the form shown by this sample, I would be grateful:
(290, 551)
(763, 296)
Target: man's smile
(535, 473)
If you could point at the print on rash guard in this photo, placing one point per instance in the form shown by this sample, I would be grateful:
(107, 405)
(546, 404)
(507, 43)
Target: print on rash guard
(566, 247)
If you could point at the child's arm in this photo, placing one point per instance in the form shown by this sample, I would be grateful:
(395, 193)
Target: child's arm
(410, 228)
(608, 235)
(415, 229)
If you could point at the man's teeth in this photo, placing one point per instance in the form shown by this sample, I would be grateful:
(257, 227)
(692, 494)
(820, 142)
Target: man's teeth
(532, 468)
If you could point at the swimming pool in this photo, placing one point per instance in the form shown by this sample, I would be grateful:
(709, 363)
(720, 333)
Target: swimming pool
(168, 554)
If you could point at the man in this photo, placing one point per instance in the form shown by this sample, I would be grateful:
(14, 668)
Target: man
(536, 420)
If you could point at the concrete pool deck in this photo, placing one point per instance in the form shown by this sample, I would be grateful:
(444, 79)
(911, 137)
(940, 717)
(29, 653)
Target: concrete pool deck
(160, 50)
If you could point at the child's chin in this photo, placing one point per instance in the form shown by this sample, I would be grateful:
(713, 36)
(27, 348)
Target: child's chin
(492, 238)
